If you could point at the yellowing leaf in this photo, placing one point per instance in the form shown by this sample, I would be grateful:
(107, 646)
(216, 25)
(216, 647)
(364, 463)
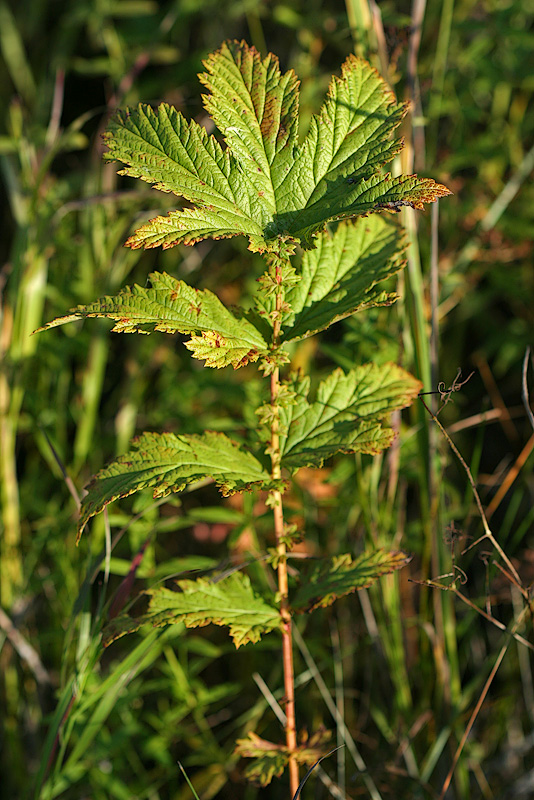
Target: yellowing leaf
(219, 351)
(230, 602)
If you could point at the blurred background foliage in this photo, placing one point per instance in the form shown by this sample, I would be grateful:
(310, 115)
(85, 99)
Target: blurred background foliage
(405, 664)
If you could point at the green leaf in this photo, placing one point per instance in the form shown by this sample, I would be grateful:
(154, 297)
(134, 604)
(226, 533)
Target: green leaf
(269, 762)
(228, 602)
(168, 463)
(340, 575)
(351, 197)
(265, 185)
(256, 108)
(336, 172)
(220, 352)
(269, 759)
(339, 277)
(162, 148)
(350, 414)
(171, 306)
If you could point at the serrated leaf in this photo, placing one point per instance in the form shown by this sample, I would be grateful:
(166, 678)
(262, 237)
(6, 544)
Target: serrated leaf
(349, 415)
(230, 602)
(191, 226)
(336, 173)
(339, 277)
(171, 306)
(218, 351)
(269, 762)
(269, 759)
(327, 580)
(168, 463)
(265, 185)
(178, 156)
(256, 109)
(350, 197)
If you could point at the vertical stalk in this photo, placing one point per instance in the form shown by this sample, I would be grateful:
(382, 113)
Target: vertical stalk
(360, 23)
(278, 512)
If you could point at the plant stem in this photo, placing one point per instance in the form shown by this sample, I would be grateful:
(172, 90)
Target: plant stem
(285, 612)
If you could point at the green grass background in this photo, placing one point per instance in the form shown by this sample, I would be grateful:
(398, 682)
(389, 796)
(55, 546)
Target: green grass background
(404, 665)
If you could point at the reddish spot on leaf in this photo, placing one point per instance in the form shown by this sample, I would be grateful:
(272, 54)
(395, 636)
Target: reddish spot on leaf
(252, 354)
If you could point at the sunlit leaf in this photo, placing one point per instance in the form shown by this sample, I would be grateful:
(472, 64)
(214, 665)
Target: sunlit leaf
(167, 463)
(230, 602)
(218, 351)
(339, 277)
(177, 156)
(349, 415)
(265, 184)
(171, 306)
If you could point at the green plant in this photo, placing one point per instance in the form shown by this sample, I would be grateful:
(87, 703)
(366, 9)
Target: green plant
(281, 195)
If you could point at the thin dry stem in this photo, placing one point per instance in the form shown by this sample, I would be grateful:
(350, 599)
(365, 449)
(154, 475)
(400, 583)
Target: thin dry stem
(526, 400)
(511, 475)
(487, 532)
(496, 398)
(479, 704)
(498, 624)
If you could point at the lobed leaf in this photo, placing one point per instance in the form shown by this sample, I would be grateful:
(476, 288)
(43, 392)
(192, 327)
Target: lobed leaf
(162, 148)
(350, 414)
(349, 197)
(269, 762)
(228, 602)
(341, 575)
(171, 306)
(256, 109)
(191, 226)
(220, 352)
(269, 759)
(265, 185)
(339, 277)
(168, 463)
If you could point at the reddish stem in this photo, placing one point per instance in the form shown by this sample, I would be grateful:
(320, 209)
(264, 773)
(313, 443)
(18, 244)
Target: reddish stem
(285, 612)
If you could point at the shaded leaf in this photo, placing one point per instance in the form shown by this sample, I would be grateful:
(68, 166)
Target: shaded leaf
(269, 762)
(339, 277)
(350, 414)
(327, 580)
(265, 185)
(269, 759)
(228, 602)
(168, 463)
(171, 306)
